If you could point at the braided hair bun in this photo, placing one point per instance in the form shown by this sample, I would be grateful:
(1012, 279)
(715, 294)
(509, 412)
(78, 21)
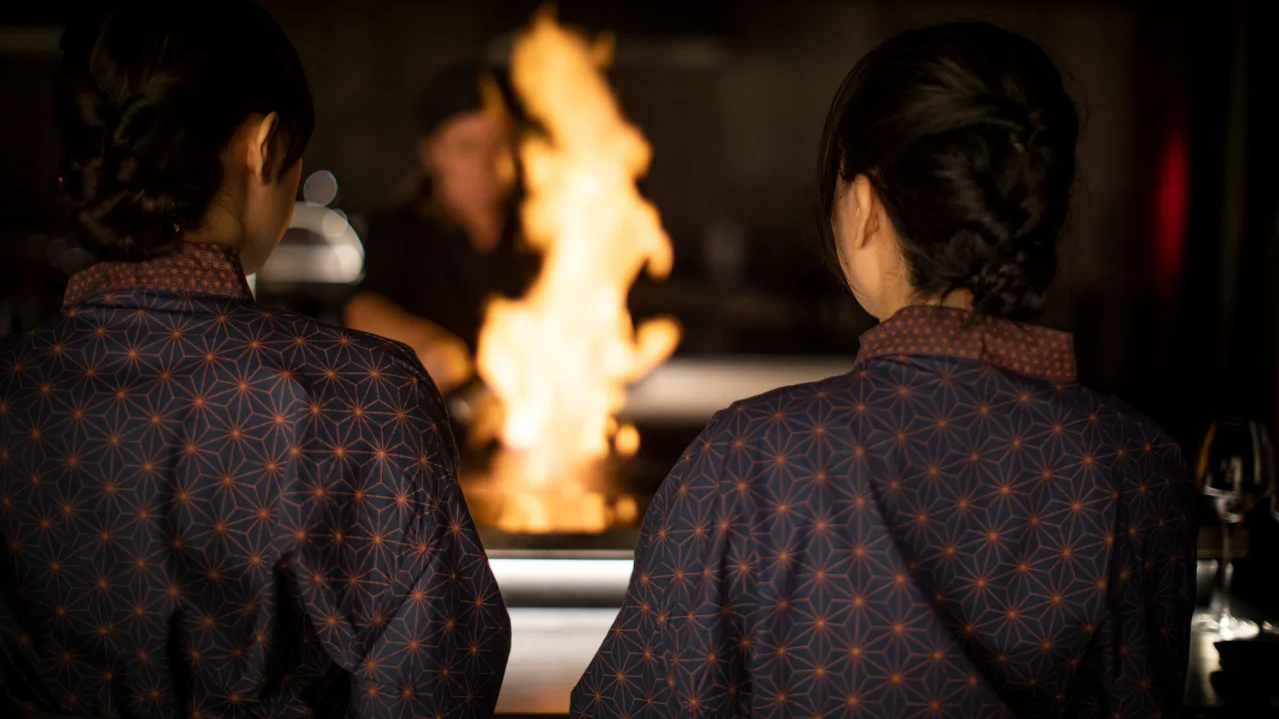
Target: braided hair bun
(147, 97)
(968, 136)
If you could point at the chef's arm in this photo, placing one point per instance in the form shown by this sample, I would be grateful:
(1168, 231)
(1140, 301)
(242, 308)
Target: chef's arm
(444, 355)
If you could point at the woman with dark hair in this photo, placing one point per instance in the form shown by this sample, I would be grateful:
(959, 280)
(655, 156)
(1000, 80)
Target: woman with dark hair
(209, 508)
(436, 259)
(956, 527)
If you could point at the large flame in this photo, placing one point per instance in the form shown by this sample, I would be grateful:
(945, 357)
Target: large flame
(559, 359)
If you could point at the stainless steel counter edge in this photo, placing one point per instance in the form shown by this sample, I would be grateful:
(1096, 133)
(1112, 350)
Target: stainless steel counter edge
(561, 605)
(562, 580)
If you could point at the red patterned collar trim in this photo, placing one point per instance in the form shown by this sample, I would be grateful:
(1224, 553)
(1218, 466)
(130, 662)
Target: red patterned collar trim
(1026, 349)
(208, 269)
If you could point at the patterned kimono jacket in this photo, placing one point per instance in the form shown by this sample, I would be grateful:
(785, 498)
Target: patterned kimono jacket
(211, 509)
(955, 528)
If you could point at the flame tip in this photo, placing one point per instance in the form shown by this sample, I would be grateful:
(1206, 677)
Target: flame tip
(602, 49)
(547, 11)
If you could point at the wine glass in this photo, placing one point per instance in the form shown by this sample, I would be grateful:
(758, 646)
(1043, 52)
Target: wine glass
(1272, 627)
(1236, 469)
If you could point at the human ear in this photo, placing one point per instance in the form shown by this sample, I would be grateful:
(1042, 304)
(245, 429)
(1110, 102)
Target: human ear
(258, 148)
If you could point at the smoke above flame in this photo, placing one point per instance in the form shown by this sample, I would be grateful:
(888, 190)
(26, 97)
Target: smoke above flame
(559, 359)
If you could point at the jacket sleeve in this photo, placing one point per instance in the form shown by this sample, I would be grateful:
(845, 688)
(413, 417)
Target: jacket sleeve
(1142, 648)
(388, 562)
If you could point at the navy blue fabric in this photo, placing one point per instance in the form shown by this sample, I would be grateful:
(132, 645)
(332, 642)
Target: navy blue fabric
(930, 535)
(208, 508)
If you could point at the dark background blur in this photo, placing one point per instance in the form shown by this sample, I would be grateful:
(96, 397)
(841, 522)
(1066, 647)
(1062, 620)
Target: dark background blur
(1165, 275)
(1163, 272)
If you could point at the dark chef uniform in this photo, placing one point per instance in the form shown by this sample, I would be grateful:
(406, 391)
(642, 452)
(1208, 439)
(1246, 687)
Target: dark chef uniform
(210, 509)
(425, 264)
(955, 528)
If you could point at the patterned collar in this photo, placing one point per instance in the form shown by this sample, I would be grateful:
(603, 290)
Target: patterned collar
(1026, 349)
(208, 269)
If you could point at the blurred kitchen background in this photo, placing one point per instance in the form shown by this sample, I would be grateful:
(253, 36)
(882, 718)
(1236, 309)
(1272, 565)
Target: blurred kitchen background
(1168, 270)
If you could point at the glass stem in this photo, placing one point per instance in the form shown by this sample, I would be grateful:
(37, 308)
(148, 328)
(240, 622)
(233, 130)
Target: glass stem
(1225, 570)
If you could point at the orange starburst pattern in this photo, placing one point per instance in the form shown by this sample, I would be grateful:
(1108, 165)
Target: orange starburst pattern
(833, 549)
(298, 485)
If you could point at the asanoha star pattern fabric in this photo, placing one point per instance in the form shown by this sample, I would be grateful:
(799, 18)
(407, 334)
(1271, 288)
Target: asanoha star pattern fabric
(213, 509)
(953, 529)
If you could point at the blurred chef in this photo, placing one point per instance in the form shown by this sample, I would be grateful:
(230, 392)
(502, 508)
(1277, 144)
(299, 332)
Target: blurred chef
(433, 261)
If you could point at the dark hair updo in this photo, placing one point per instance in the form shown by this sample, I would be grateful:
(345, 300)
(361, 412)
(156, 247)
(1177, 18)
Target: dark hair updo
(968, 137)
(147, 97)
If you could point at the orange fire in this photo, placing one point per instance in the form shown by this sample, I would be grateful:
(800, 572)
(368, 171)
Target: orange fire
(559, 359)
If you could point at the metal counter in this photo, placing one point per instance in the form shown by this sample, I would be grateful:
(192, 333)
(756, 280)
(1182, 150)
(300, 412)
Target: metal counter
(561, 605)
